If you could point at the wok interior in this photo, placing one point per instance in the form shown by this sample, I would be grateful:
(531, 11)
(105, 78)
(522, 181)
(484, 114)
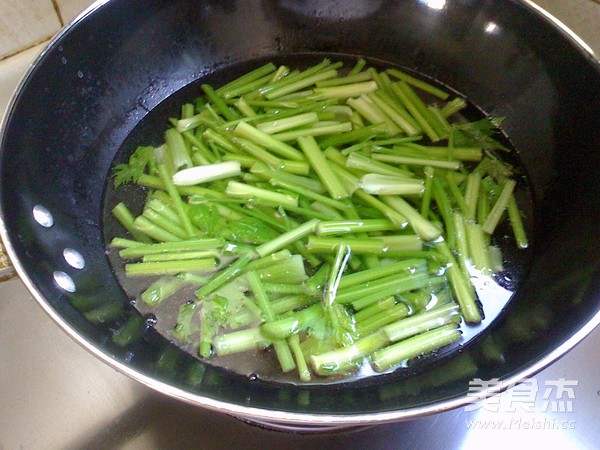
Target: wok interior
(102, 76)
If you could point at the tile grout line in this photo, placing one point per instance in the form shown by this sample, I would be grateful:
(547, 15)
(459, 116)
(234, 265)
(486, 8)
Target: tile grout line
(57, 10)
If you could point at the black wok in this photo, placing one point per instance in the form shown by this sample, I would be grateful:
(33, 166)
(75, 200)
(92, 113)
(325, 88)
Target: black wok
(126, 65)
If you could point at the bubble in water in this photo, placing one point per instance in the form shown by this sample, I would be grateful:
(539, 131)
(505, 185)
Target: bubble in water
(151, 320)
(43, 216)
(79, 74)
(63, 60)
(253, 377)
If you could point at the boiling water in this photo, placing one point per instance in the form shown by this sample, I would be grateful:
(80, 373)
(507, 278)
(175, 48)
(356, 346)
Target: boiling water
(494, 292)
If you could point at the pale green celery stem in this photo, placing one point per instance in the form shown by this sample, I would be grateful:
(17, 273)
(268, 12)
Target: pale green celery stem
(394, 115)
(125, 218)
(244, 107)
(427, 193)
(394, 216)
(394, 102)
(378, 184)
(169, 267)
(424, 343)
(517, 223)
(337, 204)
(374, 309)
(360, 64)
(259, 152)
(246, 191)
(322, 167)
(301, 84)
(407, 101)
(170, 247)
(455, 191)
(303, 370)
(425, 229)
(443, 203)
(282, 350)
(478, 247)
(171, 189)
(159, 220)
(318, 129)
(247, 78)
(279, 125)
(453, 106)
(495, 215)
(239, 341)
(119, 242)
(340, 360)
(251, 133)
(336, 227)
(472, 194)
(178, 256)
(370, 111)
(162, 289)
(461, 286)
(422, 85)
(219, 102)
(382, 319)
(143, 225)
(462, 241)
(348, 79)
(422, 322)
(374, 273)
(179, 153)
(345, 91)
(287, 238)
(266, 173)
(359, 161)
(452, 165)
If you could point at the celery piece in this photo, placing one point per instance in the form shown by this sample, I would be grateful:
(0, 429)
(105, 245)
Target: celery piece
(498, 209)
(300, 84)
(282, 350)
(303, 370)
(419, 345)
(246, 191)
(416, 108)
(336, 227)
(169, 267)
(143, 225)
(186, 326)
(381, 319)
(287, 238)
(344, 359)
(425, 229)
(125, 218)
(422, 85)
(219, 102)
(283, 124)
(170, 247)
(448, 164)
(378, 184)
(322, 168)
(253, 134)
(206, 173)
(461, 286)
(357, 160)
(162, 289)
(517, 223)
(239, 341)
(478, 248)
(179, 152)
(422, 322)
(345, 90)
(370, 311)
(394, 114)
(247, 78)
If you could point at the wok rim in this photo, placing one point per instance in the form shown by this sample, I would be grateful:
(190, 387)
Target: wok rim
(284, 420)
